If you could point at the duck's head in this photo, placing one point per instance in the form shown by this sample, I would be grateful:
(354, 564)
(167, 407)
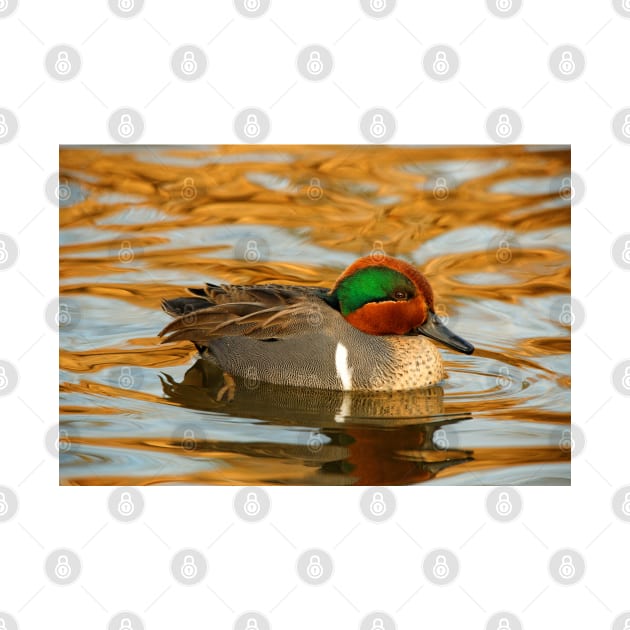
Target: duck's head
(387, 296)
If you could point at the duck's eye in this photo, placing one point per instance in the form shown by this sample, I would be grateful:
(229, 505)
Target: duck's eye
(400, 295)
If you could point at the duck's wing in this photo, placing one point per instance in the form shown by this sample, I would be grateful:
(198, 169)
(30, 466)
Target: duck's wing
(258, 311)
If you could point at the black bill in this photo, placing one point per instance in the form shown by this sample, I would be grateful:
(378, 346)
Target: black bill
(433, 328)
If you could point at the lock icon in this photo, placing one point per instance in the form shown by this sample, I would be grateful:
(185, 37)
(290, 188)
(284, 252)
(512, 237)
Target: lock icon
(4, 506)
(314, 64)
(567, 568)
(503, 624)
(252, 504)
(378, 506)
(504, 253)
(4, 129)
(189, 191)
(62, 569)
(125, 624)
(440, 439)
(314, 569)
(62, 65)
(125, 380)
(567, 190)
(63, 317)
(626, 378)
(252, 624)
(62, 443)
(4, 254)
(378, 624)
(503, 377)
(504, 126)
(189, 441)
(440, 568)
(3, 624)
(625, 255)
(377, 126)
(626, 625)
(626, 7)
(566, 317)
(625, 506)
(126, 5)
(504, 505)
(62, 191)
(315, 442)
(252, 5)
(189, 569)
(315, 191)
(504, 5)
(125, 253)
(125, 505)
(440, 64)
(625, 129)
(189, 63)
(125, 126)
(252, 127)
(378, 5)
(4, 381)
(440, 190)
(252, 254)
(567, 64)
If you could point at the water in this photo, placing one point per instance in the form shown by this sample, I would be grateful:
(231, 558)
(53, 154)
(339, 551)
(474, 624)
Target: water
(489, 226)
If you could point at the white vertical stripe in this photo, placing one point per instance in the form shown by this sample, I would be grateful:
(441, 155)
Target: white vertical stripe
(344, 371)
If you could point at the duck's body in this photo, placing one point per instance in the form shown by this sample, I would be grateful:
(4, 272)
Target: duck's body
(363, 334)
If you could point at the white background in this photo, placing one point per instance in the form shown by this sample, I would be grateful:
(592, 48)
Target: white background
(251, 62)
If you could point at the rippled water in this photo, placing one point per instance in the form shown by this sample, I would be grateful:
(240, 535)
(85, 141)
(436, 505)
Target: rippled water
(489, 226)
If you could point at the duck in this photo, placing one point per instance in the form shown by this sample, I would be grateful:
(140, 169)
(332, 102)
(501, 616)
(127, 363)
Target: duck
(372, 331)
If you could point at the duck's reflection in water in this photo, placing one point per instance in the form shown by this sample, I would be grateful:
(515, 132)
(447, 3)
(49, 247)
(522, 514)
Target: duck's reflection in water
(340, 438)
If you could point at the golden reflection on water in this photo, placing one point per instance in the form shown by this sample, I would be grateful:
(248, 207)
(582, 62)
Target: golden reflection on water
(489, 226)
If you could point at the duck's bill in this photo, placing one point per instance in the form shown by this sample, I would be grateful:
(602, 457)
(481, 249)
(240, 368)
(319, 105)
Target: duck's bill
(433, 328)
